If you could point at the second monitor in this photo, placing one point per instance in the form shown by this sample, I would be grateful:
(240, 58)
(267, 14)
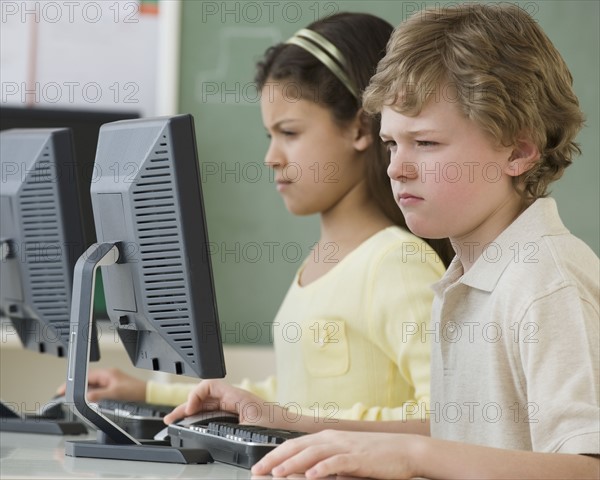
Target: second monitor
(41, 238)
(154, 252)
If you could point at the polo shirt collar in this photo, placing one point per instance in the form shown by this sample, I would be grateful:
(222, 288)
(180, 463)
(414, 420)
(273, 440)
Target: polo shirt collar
(539, 219)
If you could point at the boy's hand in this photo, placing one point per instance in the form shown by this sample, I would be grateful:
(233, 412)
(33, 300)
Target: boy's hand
(330, 452)
(217, 395)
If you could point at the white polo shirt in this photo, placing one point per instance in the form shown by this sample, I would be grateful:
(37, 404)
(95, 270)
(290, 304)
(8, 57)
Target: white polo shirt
(515, 358)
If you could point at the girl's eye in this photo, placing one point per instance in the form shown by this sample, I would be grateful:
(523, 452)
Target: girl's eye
(285, 133)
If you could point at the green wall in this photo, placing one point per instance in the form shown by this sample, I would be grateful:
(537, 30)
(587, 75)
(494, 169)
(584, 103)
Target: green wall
(257, 245)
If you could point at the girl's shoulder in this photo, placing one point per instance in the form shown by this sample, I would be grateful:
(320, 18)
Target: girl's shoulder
(396, 248)
(397, 239)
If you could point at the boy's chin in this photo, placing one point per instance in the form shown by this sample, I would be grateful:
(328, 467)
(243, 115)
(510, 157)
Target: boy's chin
(424, 230)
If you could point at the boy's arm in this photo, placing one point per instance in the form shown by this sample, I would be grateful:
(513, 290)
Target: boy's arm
(378, 455)
(561, 366)
(445, 459)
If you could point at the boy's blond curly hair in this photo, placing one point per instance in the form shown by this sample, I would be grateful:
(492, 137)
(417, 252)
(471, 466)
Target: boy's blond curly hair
(499, 66)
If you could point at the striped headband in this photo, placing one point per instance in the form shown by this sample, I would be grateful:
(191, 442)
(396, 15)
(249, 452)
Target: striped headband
(326, 52)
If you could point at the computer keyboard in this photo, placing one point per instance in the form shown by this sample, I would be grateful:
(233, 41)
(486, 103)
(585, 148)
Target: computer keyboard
(140, 420)
(139, 409)
(239, 445)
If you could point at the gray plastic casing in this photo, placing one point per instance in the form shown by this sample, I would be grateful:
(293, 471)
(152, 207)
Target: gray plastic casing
(40, 224)
(146, 197)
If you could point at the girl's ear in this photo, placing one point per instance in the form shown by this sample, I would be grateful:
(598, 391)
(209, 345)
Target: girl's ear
(361, 131)
(524, 156)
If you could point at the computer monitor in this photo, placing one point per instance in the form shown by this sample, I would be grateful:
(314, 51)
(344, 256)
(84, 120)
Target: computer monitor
(154, 253)
(41, 238)
(85, 125)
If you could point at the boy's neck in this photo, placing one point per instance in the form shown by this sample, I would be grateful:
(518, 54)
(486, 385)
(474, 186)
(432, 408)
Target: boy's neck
(470, 247)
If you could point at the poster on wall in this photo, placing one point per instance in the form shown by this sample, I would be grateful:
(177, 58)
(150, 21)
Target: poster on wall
(80, 54)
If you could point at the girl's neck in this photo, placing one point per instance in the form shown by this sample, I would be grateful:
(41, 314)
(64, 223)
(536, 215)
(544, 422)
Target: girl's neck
(351, 221)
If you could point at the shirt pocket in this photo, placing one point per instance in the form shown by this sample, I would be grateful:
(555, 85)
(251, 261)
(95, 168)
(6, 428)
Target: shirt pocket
(325, 347)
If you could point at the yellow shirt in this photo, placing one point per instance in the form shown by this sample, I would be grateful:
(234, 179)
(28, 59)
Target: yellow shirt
(349, 345)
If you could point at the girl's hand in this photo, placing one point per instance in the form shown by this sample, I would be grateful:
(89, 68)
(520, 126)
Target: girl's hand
(113, 384)
(218, 395)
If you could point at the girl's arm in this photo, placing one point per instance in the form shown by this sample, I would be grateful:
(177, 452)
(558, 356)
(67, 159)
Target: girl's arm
(218, 395)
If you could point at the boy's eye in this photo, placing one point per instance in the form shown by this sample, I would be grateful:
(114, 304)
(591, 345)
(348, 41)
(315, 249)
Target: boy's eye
(389, 145)
(288, 133)
(425, 143)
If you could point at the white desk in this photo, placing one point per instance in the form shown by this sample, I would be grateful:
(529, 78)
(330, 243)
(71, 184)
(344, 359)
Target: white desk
(16, 363)
(43, 457)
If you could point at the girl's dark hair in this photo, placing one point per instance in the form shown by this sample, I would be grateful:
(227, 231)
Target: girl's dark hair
(362, 39)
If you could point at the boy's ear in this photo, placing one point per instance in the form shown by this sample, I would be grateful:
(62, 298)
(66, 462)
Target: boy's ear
(524, 156)
(362, 135)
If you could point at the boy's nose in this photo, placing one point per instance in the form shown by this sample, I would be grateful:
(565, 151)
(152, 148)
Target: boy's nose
(401, 168)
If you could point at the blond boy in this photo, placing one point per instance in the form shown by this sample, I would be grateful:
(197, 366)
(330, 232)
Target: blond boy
(479, 116)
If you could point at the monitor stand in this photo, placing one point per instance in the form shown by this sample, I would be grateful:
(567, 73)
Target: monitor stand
(10, 421)
(112, 442)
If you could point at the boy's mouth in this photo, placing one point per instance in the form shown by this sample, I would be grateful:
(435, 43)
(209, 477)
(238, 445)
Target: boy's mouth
(407, 199)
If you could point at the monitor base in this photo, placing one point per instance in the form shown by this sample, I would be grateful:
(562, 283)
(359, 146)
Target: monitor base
(41, 425)
(148, 451)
